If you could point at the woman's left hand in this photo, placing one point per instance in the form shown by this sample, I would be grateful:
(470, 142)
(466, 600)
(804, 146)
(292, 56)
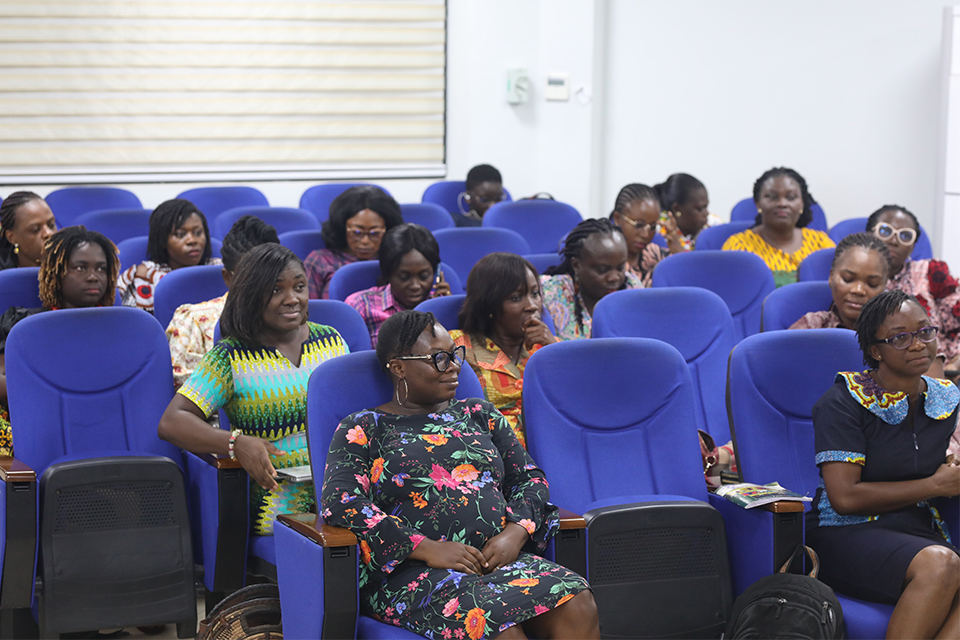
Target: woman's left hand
(441, 288)
(503, 548)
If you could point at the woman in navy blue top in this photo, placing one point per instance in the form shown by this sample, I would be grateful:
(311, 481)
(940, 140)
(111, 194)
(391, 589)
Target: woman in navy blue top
(881, 440)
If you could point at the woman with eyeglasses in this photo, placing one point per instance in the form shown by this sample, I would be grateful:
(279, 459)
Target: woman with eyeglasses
(780, 235)
(358, 219)
(409, 274)
(637, 213)
(881, 439)
(451, 511)
(929, 281)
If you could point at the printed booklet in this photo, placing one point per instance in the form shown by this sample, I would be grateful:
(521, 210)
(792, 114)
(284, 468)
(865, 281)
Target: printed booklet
(749, 495)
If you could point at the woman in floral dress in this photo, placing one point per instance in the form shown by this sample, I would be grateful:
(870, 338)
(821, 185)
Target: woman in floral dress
(448, 506)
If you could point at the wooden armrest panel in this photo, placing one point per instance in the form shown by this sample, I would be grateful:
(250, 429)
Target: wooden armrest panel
(13, 470)
(311, 525)
(571, 520)
(785, 506)
(218, 462)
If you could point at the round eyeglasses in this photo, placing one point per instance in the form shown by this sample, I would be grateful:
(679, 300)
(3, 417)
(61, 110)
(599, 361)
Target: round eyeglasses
(639, 226)
(441, 359)
(906, 236)
(374, 234)
(905, 339)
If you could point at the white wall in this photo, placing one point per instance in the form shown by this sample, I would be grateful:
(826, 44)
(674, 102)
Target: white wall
(949, 180)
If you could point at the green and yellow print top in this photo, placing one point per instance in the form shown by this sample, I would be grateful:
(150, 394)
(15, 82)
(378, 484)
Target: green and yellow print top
(783, 265)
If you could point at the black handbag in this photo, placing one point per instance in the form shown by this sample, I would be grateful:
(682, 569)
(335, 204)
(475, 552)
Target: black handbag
(251, 613)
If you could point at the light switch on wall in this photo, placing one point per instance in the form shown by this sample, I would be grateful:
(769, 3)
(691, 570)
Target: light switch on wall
(518, 86)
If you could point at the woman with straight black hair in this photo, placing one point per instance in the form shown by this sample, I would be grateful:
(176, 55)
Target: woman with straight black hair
(179, 237)
(265, 322)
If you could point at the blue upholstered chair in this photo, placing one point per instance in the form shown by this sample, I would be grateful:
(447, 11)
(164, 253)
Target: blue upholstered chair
(358, 276)
(617, 440)
(86, 390)
(283, 219)
(426, 214)
(542, 261)
(694, 321)
(212, 201)
(463, 247)
(302, 243)
(188, 285)
(712, 238)
(816, 266)
(117, 224)
(788, 304)
(70, 203)
(134, 250)
(746, 209)
(316, 564)
(922, 250)
(317, 199)
(742, 279)
(542, 223)
(19, 287)
(448, 194)
(345, 319)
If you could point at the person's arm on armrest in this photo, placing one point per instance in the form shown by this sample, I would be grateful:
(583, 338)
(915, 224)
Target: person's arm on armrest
(850, 496)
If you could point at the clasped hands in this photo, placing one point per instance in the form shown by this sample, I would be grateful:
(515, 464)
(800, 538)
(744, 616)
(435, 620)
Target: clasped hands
(500, 550)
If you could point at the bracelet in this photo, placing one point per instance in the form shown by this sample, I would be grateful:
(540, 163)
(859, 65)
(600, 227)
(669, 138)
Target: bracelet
(233, 438)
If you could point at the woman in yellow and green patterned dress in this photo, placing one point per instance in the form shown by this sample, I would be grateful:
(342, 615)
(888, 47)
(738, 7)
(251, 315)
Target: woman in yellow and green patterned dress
(258, 374)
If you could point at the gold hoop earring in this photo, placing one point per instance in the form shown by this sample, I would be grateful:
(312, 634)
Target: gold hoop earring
(406, 391)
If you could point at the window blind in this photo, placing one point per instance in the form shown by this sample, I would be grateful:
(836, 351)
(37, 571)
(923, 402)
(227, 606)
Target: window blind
(134, 90)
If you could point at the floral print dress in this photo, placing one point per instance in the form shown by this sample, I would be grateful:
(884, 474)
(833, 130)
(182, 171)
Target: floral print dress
(459, 475)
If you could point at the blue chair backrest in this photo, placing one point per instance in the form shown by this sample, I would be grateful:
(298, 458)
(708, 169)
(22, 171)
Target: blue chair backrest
(816, 266)
(88, 382)
(345, 319)
(694, 321)
(605, 429)
(742, 279)
(462, 248)
(788, 304)
(213, 201)
(302, 243)
(445, 309)
(350, 383)
(317, 199)
(429, 215)
(188, 285)
(19, 287)
(542, 261)
(283, 219)
(70, 203)
(922, 250)
(448, 194)
(542, 223)
(117, 224)
(746, 209)
(358, 276)
(134, 250)
(712, 238)
(774, 380)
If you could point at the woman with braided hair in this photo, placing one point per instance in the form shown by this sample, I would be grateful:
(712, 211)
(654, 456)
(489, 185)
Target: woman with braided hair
(637, 213)
(79, 269)
(27, 223)
(594, 264)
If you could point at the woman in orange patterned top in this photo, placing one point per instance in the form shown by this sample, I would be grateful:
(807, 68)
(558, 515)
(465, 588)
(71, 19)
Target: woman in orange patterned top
(781, 236)
(501, 328)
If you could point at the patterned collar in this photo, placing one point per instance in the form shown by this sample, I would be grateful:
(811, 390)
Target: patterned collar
(940, 398)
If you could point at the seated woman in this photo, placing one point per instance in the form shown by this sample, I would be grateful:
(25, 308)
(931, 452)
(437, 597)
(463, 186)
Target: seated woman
(264, 321)
(929, 281)
(594, 264)
(781, 236)
(179, 237)
(881, 441)
(358, 219)
(637, 213)
(685, 201)
(27, 224)
(861, 265)
(467, 506)
(501, 328)
(79, 269)
(409, 274)
(484, 188)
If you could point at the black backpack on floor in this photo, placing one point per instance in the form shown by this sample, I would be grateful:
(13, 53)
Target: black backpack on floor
(787, 605)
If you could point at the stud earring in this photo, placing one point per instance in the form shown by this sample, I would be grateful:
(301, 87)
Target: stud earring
(678, 214)
(16, 248)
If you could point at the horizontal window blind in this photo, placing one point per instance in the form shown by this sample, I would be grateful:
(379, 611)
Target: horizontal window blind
(135, 90)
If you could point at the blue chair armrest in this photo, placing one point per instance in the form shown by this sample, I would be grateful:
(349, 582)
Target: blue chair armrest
(19, 531)
(310, 557)
(218, 489)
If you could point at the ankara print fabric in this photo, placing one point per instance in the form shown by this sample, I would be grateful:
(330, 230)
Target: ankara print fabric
(937, 290)
(265, 396)
(458, 475)
(783, 265)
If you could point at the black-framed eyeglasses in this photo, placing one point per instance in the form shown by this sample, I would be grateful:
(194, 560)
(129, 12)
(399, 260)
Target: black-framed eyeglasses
(905, 339)
(639, 226)
(906, 236)
(373, 234)
(441, 359)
